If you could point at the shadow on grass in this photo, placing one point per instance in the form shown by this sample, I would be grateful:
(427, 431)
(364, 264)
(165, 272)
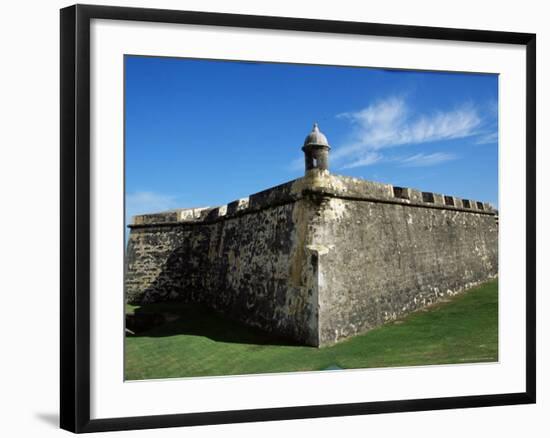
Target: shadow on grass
(194, 341)
(173, 319)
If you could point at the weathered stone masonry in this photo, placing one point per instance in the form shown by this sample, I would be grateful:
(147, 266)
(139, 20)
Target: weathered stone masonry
(317, 259)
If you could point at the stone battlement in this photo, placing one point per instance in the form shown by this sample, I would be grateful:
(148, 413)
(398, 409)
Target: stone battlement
(316, 183)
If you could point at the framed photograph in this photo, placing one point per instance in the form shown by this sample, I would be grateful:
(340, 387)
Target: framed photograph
(267, 218)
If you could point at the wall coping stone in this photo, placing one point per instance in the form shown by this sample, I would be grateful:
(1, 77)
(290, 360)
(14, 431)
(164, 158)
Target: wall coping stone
(316, 184)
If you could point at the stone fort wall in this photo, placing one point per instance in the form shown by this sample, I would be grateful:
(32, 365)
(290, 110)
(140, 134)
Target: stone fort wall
(386, 251)
(318, 259)
(245, 259)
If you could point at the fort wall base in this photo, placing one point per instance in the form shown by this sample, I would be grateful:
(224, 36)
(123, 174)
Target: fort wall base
(317, 259)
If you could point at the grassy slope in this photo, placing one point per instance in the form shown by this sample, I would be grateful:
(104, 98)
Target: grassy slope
(200, 343)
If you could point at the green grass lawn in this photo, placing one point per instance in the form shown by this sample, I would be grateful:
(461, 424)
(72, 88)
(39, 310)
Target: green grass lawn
(197, 342)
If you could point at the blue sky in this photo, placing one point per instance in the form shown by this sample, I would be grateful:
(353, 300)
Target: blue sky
(204, 133)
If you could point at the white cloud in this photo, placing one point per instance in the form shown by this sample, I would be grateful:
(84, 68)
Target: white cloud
(390, 123)
(148, 202)
(424, 160)
(488, 138)
(365, 160)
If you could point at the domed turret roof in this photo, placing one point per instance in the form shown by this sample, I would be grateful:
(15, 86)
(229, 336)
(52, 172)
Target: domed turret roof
(316, 138)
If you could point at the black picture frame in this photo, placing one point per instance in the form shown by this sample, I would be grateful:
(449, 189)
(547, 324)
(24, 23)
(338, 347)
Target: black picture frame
(75, 217)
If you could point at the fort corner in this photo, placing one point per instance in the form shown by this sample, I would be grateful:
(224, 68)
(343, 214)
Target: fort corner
(317, 259)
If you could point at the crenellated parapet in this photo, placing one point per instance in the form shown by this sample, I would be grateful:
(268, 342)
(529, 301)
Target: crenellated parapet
(275, 196)
(317, 184)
